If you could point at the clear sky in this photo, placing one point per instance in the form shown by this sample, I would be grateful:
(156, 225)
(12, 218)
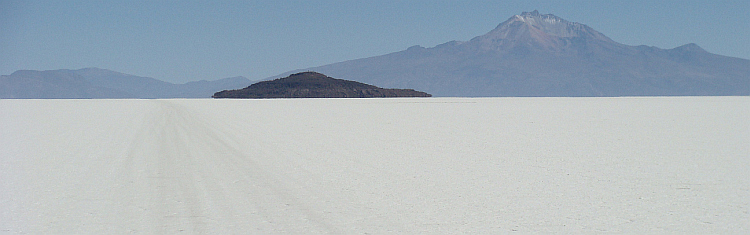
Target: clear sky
(181, 41)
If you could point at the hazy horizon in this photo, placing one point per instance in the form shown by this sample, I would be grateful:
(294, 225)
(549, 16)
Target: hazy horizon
(179, 42)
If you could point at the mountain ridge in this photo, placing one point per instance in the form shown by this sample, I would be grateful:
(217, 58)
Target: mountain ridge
(96, 83)
(532, 54)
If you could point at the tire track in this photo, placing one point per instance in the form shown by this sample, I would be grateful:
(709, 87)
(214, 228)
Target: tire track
(194, 168)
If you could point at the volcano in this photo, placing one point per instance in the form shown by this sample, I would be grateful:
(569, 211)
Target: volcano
(535, 54)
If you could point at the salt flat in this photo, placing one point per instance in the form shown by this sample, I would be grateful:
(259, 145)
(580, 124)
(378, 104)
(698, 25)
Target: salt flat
(353, 166)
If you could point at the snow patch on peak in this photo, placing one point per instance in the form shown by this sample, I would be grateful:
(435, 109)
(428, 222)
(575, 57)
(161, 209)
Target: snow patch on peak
(551, 20)
(533, 13)
(536, 19)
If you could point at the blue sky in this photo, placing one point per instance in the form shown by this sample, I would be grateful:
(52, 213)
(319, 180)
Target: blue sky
(181, 41)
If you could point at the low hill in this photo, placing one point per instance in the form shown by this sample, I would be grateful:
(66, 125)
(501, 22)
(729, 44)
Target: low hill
(95, 83)
(315, 85)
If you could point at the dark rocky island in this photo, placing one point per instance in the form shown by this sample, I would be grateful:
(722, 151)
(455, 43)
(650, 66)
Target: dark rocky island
(315, 85)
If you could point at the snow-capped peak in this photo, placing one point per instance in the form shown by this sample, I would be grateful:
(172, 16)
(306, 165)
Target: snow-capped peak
(539, 20)
(548, 24)
(542, 29)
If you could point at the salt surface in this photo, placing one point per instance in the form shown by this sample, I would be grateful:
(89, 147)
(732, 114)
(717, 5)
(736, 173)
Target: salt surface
(416, 165)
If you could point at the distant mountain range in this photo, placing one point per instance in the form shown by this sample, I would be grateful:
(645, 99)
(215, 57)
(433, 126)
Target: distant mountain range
(544, 55)
(101, 83)
(527, 55)
(315, 85)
